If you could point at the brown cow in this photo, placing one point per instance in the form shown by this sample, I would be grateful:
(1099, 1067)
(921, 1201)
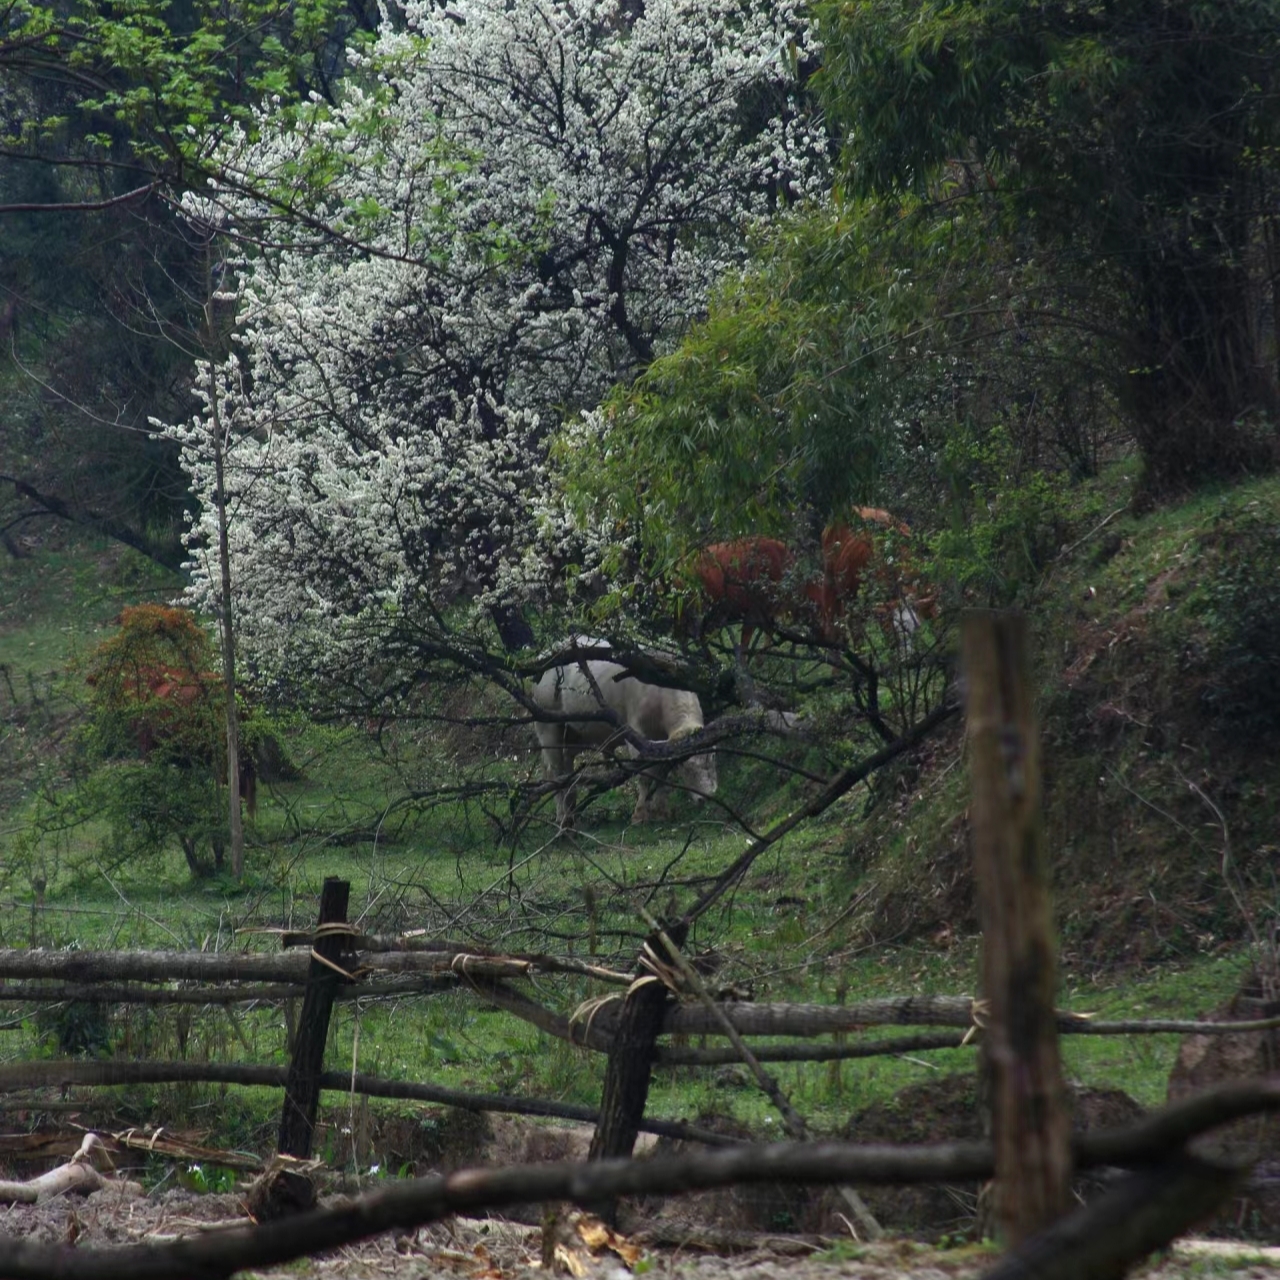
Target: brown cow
(850, 555)
(746, 581)
(754, 581)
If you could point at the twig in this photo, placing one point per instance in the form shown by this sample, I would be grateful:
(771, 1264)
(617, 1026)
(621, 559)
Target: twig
(844, 781)
(1097, 528)
(1230, 876)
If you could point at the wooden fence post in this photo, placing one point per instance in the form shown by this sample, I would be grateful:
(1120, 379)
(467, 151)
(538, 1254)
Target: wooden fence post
(1032, 1128)
(302, 1091)
(630, 1066)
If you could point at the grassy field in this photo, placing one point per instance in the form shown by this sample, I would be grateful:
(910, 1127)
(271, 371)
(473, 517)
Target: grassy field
(457, 870)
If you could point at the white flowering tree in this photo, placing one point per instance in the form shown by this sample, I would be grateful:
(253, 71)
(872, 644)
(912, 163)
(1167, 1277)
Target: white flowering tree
(509, 209)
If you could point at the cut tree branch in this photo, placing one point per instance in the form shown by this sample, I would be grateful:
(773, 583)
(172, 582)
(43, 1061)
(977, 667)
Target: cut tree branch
(415, 1203)
(64, 1075)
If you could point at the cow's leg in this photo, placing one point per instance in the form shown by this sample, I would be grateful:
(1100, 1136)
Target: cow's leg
(654, 801)
(557, 766)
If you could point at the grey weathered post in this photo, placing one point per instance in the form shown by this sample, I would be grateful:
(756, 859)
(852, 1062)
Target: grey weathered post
(302, 1091)
(1032, 1126)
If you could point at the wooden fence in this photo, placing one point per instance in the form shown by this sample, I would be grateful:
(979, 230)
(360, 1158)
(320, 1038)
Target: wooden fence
(375, 969)
(1167, 1187)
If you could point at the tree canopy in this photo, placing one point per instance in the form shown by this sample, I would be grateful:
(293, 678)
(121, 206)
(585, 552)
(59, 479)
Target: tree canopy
(108, 112)
(1134, 145)
(505, 211)
(1051, 237)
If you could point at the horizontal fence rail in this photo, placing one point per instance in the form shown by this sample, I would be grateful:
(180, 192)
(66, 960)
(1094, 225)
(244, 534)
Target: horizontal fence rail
(115, 977)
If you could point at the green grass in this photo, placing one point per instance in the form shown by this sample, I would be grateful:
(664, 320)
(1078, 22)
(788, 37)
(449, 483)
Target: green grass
(56, 604)
(455, 1041)
(444, 868)
(775, 933)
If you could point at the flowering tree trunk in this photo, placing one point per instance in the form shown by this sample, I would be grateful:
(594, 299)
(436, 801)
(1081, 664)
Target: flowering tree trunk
(226, 627)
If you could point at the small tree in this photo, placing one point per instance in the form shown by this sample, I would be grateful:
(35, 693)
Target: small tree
(158, 721)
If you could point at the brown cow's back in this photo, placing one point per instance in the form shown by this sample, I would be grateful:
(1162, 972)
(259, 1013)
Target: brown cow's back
(744, 581)
(753, 580)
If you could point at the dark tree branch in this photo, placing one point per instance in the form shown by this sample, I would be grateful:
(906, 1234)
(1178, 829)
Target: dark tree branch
(63, 1075)
(844, 781)
(168, 557)
(83, 206)
(1141, 1214)
(1176, 1192)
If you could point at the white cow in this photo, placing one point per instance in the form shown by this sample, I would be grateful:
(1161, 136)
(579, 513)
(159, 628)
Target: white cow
(653, 711)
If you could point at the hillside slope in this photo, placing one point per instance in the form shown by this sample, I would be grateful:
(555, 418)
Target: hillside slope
(1159, 661)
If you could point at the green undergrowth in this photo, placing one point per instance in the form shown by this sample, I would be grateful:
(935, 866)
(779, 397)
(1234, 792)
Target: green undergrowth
(1160, 825)
(456, 1041)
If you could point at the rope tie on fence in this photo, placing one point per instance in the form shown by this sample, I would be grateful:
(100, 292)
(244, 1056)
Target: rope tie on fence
(978, 1011)
(349, 975)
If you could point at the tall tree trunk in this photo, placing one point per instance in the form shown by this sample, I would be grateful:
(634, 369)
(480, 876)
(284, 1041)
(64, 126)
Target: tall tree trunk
(1201, 386)
(226, 631)
(226, 624)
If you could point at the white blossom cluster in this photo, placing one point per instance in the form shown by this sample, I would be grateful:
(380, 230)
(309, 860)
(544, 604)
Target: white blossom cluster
(512, 207)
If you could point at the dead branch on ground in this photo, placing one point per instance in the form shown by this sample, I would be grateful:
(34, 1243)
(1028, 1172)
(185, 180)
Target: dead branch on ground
(77, 1175)
(412, 1204)
(64, 1074)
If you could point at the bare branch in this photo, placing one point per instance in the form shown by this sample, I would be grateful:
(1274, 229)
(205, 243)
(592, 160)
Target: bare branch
(83, 206)
(64, 1075)
(414, 1203)
(844, 781)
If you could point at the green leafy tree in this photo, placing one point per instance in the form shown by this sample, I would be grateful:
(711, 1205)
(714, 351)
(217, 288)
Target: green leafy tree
(866, 357)
(1053, 234)
(1132, 149)
(108, 112)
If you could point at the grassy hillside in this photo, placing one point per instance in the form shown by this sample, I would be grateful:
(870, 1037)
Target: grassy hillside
(1159, 664)
(1160, 708)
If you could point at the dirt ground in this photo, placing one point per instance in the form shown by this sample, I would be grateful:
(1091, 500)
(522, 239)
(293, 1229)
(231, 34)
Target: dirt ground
(495, 1249)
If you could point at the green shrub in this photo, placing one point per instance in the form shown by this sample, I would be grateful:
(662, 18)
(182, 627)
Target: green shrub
(1015, 519)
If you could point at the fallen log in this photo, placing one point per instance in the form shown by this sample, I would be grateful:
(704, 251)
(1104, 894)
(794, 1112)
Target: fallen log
(106, 977)
(117, 993)
(152, 966)
(77, 1175)
(747, 1019)
(415, 1203)
(679, 1056)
